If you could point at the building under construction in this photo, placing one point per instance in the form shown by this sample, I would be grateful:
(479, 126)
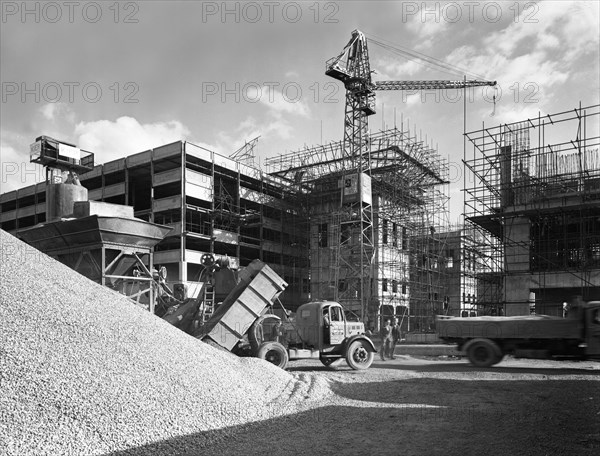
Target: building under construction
(360, 221)
(532, 205)
(374, 235)
(300, 217)
(214, 205)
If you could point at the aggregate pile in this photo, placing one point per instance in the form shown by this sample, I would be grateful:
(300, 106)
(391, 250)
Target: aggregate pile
(84, 371)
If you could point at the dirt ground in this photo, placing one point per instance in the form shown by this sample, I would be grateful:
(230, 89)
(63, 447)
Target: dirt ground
(435, 406)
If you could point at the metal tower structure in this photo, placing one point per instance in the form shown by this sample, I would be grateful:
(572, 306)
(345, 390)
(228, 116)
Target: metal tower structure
(353, 271)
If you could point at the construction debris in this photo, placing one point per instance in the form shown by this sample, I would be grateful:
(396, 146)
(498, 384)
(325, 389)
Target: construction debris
(84, 371)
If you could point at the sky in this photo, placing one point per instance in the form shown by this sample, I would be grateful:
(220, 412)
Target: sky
(116, 78)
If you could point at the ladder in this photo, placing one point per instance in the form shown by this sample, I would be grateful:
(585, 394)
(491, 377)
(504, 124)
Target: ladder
(209, 302)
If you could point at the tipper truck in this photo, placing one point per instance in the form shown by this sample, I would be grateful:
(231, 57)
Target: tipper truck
(242, 325)
(486, 340)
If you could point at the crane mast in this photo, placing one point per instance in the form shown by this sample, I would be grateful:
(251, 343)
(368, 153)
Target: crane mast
(352, 273)
(353, 69)
(353, 277)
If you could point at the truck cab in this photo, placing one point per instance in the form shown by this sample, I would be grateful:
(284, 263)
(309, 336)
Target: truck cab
(323, 324)
(592, 329)
(324, 332)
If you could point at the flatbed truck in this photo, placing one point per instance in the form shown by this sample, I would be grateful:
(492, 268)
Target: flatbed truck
(486, 340)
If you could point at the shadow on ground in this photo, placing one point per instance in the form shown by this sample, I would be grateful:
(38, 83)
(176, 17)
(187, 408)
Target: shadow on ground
(465, 367)
(407, 364)
(470, 417)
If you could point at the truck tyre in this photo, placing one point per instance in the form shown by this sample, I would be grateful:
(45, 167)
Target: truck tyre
(329, 361)
(483, 352)
(358, 355)
(273, 352)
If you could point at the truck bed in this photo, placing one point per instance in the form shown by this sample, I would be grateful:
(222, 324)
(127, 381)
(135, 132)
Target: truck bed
(518, 327)
(258, 288)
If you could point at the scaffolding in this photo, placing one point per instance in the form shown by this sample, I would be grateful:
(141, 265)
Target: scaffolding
(404, 181)
(532, 209)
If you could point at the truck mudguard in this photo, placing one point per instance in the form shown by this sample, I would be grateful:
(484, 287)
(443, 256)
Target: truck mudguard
(351, 339)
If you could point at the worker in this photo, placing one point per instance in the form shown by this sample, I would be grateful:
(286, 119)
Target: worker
(395, 337)
(326, 320)
(259, 333)
(276, 332)
(386, 339)
(326, 326)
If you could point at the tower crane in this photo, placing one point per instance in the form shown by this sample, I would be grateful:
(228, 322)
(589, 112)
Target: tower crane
(352, 67)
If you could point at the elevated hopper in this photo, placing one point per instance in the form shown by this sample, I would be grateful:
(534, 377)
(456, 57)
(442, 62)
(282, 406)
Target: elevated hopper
(93, 230)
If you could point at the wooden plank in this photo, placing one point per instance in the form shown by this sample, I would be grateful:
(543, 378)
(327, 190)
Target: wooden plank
(8, 196)
(164, 204)
(95, 195)
(198, 152)
(139, 159)
(6, 216)
(166, 256)
(113, 190)
(166, 177)
(199, 179)
(202, 193)
(115, 165)
(95, 172)
(167, 150)
(26, 191)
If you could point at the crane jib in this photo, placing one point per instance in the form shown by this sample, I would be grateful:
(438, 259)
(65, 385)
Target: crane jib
(426, 85)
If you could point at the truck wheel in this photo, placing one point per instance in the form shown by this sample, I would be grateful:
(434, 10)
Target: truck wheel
(273, 352)
(358, 355)
(330, 362)
(484, 353)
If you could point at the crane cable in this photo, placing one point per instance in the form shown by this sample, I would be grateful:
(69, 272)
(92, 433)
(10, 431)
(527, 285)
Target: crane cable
(423, 59)
(430, 62)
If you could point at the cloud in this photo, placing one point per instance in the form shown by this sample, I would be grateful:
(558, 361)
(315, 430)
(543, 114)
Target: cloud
(57, 111)
(509, 113)
(428, 24)
(48, 111)
(111, 140)
(15, 169)
(227, 143)
(288, 100)
(108, 140)
(393, 69)
(274, 128)
(274, 124)
(533, 56)
(570, 26)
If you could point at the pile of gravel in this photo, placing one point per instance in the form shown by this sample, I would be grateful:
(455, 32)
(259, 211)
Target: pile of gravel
(84, 371)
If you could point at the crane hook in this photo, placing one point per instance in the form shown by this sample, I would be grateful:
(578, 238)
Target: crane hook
(494, 101)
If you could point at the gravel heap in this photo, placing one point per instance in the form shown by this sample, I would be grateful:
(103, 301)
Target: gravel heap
(84, 371)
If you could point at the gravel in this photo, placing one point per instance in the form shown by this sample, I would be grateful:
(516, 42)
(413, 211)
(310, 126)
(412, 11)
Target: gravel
(415, 407)
(83, 371)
